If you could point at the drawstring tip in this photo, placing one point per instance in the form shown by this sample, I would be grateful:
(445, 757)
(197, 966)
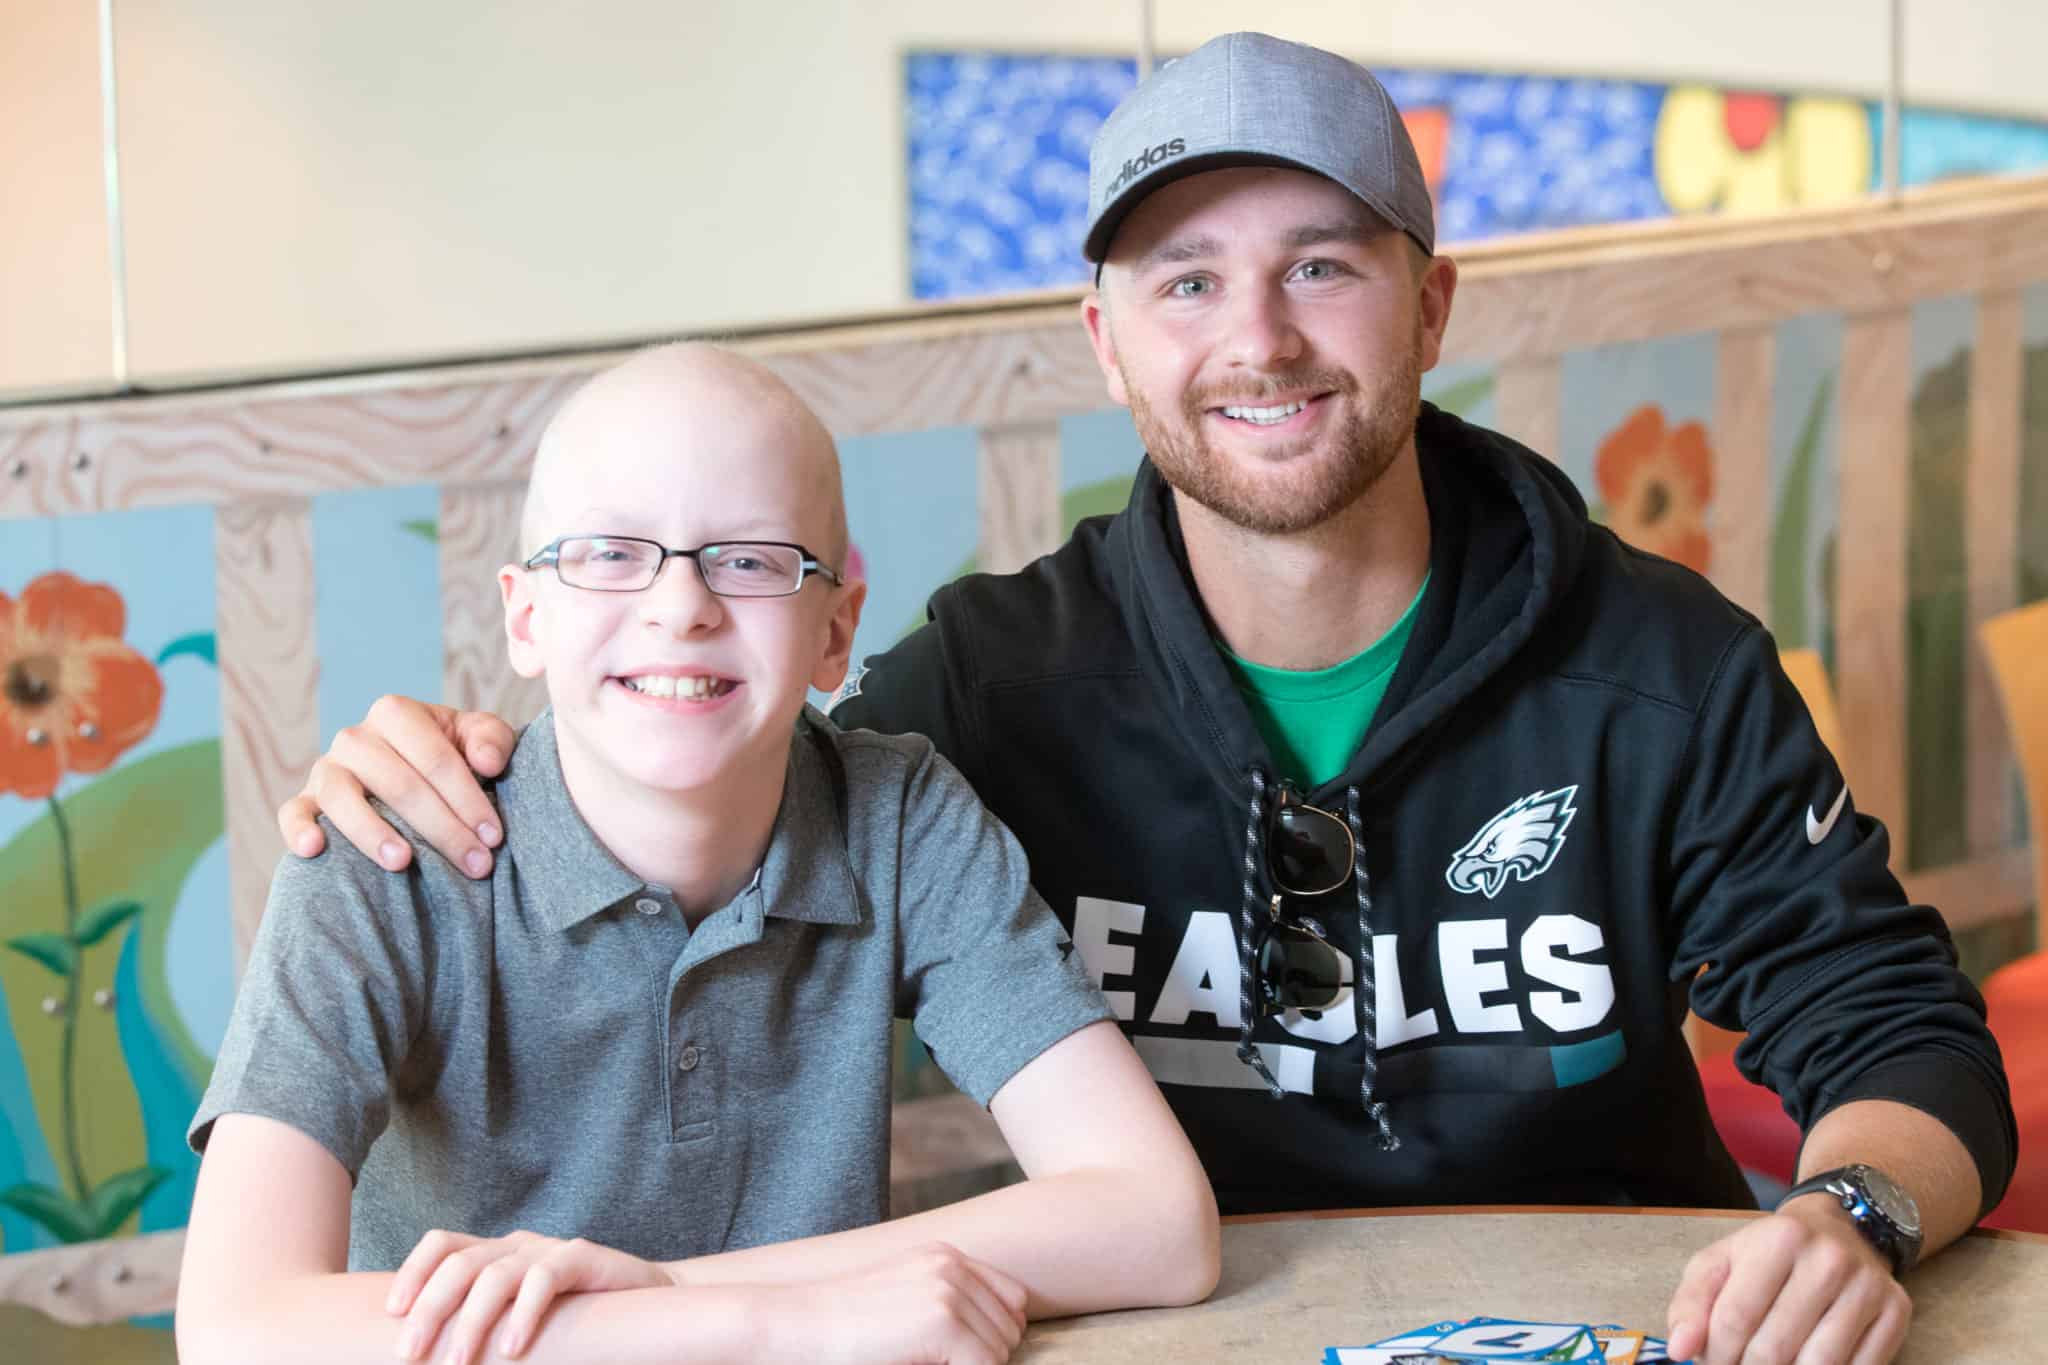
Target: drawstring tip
(1377, 1111)
(1249, 1055)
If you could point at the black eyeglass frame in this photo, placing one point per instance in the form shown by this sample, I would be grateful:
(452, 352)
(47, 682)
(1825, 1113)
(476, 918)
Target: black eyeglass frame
(550, 555)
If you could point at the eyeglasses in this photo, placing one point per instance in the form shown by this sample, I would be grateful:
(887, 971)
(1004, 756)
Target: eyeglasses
(736, 568)
(1309, 852)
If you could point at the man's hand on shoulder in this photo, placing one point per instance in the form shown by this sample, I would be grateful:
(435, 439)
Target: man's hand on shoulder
(417, 758)
(1801, 1285)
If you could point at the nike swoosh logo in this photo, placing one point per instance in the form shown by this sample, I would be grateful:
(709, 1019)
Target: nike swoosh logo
(1817, 830)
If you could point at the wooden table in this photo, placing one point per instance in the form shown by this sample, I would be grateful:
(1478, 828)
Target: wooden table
(1294, 1284)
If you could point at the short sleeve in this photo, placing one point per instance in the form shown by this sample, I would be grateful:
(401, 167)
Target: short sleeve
(331, 1001)
(988, 977)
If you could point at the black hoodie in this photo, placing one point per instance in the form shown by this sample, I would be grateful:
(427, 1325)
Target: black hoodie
(1589, 779)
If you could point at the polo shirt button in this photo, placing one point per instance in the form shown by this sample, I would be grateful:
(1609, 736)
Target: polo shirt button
(646, 905)
(689, 1057)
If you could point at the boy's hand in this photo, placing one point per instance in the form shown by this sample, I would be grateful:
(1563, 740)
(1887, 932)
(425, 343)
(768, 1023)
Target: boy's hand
(481, 1275)
(933, 1305)
(416, 758)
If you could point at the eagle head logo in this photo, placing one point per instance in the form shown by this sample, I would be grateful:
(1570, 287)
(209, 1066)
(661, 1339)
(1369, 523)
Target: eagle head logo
(1519, 842)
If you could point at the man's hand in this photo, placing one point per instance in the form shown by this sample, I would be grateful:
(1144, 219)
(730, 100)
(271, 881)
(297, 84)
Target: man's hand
(935, 1305)
(448, 1271)
(1800, 1287)
(416, 758)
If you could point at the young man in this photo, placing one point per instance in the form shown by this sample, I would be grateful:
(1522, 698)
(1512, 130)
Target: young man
(1354, 692)
(663, 1024)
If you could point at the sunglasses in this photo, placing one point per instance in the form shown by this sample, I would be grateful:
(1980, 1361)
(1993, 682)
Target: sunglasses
(1309, 852)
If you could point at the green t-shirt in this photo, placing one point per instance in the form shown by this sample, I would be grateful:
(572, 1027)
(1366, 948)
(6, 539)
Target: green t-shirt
(1314, 721)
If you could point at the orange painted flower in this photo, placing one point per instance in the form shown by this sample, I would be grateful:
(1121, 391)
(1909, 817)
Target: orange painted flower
(1657, 481)
(73, 696)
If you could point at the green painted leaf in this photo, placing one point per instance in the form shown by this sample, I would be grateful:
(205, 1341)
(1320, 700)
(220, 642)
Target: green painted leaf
(54, 951)
(1938, 639)
(425, 528)
(1793, 527)
(2031, 570)
(1104, 498)
(59, 1212)
(119, 1196)
(1461, 398)
(103, 921)
(200, 643)
(137, 832)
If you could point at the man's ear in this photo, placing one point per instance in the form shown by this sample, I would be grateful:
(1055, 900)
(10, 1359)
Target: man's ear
(1096, 318)
(1439, 282)
(839, 628)
(522, 642)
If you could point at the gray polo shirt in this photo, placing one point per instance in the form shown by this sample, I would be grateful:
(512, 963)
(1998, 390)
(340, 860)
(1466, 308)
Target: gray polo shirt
(555, 1049)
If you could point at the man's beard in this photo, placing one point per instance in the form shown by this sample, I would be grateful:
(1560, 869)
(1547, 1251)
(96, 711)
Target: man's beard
(1309, 489)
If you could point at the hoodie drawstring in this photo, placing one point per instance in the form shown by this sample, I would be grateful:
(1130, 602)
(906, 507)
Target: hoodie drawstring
(1363, 995)
(1254, 828)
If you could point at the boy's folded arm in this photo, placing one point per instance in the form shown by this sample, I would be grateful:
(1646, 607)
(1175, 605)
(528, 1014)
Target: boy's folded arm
(264, 1275)
(1115, 1210)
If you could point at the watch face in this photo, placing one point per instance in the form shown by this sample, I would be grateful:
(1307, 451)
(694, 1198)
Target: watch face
(1889, 1200)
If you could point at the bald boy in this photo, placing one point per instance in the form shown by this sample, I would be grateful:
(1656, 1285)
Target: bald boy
(645, 1064)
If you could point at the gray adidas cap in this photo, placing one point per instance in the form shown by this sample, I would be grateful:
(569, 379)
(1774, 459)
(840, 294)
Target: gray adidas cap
(1249, 99)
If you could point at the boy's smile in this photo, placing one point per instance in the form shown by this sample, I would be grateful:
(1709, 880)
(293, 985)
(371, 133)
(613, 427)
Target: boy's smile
(695, 690)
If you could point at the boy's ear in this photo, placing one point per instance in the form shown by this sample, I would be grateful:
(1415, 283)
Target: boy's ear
(839, 628)
(515, 586)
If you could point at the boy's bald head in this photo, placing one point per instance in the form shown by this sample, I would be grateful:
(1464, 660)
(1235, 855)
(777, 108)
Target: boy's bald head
(694, 402)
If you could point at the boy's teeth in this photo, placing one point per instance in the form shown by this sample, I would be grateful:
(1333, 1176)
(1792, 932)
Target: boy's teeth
(660, 685)
(1265, 416)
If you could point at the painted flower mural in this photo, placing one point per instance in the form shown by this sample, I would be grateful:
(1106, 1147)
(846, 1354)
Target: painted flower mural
(1750, 152)
(1657, 481)
(73, 697)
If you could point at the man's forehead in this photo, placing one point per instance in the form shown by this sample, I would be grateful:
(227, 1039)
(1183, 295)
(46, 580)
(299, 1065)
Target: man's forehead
(1235, 204)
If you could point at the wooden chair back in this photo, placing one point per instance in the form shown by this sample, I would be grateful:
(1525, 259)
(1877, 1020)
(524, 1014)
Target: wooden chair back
(2016, 643)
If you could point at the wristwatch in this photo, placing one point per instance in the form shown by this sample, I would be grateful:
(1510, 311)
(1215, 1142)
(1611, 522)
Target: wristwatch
(1885, 1214)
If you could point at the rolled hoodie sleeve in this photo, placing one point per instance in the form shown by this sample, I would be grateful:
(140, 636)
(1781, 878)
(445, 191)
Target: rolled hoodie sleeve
(1782, 891)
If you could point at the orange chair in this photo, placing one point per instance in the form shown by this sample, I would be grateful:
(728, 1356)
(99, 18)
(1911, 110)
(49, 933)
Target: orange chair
(2016, 644)
(1759, 1135)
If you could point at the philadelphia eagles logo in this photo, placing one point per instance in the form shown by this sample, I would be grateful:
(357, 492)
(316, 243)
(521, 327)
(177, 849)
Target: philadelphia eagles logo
(849, 688)
(1519, 842)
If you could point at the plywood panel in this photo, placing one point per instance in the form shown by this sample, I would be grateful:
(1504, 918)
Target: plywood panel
(1526, 396)
(1020, 494)
(96, 1282)
(1870, 583)
(281, 441)
(479, 534)
(269, 683)
(1596, 288)
(1740, 526)
(1991, 522)
(1997, 886)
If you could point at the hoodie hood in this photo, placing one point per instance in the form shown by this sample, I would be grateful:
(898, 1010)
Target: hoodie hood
(1507, 536)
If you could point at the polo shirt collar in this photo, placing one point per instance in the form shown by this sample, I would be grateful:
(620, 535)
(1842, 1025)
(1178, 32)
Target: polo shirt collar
(568, 875)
